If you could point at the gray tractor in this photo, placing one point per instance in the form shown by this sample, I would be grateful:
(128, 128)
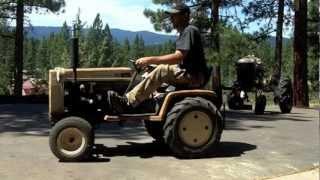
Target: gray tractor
(250, 78)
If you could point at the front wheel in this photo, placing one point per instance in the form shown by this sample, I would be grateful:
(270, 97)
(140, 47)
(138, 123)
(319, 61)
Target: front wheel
(71, 139)
(234, 102)
(260, 104)
(193, 128)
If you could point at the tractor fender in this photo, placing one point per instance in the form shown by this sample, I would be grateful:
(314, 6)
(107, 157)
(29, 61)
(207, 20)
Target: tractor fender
(176, 96)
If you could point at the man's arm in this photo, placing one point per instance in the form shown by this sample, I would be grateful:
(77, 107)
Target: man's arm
(173, 58)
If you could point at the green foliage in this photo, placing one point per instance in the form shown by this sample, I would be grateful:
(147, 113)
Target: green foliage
(313, 44)
(264, 13)
(6, 57)
(4, 80)
(137, 47)
(8, 6)
(200, 15)
(106, 48)
(234, 46)
(287, 68)
(99, 49)
(16, 9)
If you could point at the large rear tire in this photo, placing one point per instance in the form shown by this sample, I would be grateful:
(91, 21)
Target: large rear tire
(193, 128)
(286, 104)
(286, 95)
(71, 139)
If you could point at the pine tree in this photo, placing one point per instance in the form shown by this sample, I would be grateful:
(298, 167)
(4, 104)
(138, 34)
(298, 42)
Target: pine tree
(93, 41)
(64, 43)
(205, 15)
(137, 50)
(31, 47)
(313, 44)
(300, 87)
(279, 37)
(265, 13)
(19, 8)
(6, 58)
(106, 48)
(118, 57)
(65, 31)
(43, 58)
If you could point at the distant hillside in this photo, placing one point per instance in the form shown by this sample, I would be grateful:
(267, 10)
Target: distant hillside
(149, 37)
(272, 41)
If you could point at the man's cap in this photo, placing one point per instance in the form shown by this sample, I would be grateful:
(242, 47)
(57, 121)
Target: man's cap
(178, 8)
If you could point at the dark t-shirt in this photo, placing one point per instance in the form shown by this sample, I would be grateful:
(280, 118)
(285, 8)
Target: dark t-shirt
(190, 40)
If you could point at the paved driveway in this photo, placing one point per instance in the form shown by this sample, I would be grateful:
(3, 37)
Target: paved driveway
(252, 147)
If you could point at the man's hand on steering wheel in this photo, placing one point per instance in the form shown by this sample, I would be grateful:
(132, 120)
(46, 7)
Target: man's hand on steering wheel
(143, 62)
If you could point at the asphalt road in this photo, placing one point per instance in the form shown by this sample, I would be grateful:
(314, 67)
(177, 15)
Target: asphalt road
(252, 147)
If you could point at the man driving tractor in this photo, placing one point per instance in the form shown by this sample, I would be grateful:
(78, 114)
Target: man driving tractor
(186, 67)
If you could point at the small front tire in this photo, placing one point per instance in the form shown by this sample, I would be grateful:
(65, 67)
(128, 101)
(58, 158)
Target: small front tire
(260, 104)
(71, 139)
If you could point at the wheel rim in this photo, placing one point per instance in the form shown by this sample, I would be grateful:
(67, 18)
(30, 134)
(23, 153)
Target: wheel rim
(71, 141)
(195, 129)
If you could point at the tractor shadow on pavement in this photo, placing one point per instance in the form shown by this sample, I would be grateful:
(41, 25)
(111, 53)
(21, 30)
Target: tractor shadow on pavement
(156, 149)
(244, 120)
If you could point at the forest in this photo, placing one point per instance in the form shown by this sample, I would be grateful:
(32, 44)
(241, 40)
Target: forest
(225, 36)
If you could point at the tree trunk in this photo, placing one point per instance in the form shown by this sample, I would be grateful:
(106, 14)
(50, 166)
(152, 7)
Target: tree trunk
(19, 49)
(318, 54)
(278, 49)
(215, 25)
(300, 91)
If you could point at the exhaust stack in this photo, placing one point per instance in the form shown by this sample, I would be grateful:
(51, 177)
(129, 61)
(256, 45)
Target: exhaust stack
(74, 53)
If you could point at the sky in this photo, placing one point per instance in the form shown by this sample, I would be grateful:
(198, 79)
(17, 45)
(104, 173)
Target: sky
(122, 14)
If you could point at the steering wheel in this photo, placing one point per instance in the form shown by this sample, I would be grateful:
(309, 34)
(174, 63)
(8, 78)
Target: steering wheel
(149, 67)
(137, 71)
(136, 68)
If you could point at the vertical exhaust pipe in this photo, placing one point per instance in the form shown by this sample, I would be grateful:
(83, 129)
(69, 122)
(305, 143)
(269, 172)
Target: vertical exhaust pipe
(74, 53)
(75, 91)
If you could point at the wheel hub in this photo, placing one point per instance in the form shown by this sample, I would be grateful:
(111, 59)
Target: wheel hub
(195, 128)
(71, 141)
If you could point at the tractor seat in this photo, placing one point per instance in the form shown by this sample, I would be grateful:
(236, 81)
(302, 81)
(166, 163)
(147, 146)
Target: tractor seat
(186, 87)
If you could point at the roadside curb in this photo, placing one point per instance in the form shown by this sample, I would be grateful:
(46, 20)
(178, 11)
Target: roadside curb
(311, 174)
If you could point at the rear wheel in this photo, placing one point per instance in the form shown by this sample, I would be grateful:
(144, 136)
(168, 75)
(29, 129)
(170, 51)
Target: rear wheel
(193, 127)
(285, 104)
(286, 95)
(71, 139)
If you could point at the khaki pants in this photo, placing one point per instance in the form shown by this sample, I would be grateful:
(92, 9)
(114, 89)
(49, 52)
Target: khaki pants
(170, 74)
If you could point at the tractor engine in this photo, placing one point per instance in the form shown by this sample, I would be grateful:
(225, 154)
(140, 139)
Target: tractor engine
(250, 72)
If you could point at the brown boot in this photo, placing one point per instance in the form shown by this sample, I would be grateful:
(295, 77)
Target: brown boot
(118, 104)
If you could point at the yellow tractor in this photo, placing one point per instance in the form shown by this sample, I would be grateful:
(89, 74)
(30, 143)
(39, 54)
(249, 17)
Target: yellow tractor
(189, 121)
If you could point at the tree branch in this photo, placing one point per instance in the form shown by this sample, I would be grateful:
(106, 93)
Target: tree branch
(6, 36)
